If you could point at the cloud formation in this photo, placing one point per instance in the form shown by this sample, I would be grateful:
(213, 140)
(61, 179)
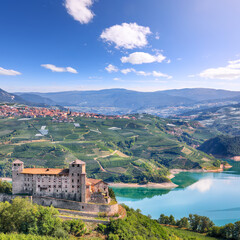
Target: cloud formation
(53, 68)
(230, 72)
(111, 68)
(143, 73)
(126, 35)
(8, 72)
(80, 10)
(142, 57)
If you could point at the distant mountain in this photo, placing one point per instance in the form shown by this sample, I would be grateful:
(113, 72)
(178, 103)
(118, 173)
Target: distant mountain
(203, 94)
(121, 98)
(224, 146)
(10, 98)
(34, 98)
(114, 101)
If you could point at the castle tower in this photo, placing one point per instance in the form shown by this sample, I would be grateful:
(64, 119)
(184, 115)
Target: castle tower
(17, 178)
(77, 185)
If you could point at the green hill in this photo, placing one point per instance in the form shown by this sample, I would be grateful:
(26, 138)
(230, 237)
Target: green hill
(222, 146)
(138, 149)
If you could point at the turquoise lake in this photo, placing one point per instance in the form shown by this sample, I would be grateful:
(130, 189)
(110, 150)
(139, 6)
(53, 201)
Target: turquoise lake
(216, 195)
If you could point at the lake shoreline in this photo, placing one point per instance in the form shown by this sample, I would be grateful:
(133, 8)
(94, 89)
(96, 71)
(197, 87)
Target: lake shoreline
(166, 185)
(222, 168)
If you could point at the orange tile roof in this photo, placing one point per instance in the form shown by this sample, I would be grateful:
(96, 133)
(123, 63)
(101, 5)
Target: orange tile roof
(91, 181)
(45, 171)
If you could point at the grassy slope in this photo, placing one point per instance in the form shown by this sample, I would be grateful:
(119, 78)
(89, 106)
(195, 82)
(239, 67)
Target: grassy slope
(150, 146)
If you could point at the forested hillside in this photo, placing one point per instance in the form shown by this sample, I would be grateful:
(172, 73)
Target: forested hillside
(225, 146)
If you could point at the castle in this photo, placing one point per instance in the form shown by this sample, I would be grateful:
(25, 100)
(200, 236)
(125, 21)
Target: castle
(70, 184)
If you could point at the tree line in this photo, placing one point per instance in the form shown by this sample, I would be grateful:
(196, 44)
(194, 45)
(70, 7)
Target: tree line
(202, 224)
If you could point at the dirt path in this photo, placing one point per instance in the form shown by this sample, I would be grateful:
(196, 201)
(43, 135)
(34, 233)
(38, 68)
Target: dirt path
(101, 167)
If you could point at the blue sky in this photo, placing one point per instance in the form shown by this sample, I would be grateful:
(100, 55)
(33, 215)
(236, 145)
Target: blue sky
(145, 45)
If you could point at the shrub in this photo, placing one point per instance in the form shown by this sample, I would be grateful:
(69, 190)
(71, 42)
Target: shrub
(5, 187)
(75, 227)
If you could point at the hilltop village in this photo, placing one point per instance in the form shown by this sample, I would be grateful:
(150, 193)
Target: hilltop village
(56, 114)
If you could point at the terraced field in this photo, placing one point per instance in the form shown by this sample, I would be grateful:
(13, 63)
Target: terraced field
(115, 150)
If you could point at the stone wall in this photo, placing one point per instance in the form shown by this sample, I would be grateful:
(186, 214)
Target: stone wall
(66, 204)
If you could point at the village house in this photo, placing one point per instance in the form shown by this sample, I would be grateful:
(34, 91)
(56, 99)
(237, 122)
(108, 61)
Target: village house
(71, 184)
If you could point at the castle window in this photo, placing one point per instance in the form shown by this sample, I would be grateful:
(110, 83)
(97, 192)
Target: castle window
(65, 186)
(49, 190)
(54, 186)
(82, 207)
(72, 180)
(14, 164)
(49, 185)
(78, 174)
(72, 174)
(73, 166)
(57, 190)
(17, 173)
(78, 186)
(59, 186)
(38, 185)
(72, 186)
(78, 165)
(78, 180)
(65, 190)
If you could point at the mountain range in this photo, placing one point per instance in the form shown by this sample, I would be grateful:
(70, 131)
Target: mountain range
(124, 100)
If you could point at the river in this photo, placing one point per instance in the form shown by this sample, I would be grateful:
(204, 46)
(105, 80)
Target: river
(215, 195)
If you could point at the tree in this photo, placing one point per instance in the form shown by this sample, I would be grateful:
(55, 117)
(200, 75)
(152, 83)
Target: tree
(164, 219)
(236, 232)
(5, 187)
(228, 231)
(183, 223)
(172, 220)
(111, 194)
(75, 227)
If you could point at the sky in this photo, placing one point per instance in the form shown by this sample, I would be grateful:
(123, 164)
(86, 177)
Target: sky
(143, 45)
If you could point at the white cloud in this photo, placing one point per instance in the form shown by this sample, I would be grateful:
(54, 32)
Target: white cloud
(142, 57)
(127, 35)
(71, 70)
(117, 79)
(111, 68)
(53, 68)
(143, 73)
(230, 72)
(127, 70)
(8, 72)
(234, 64)
(159, 74)
(80, 10)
